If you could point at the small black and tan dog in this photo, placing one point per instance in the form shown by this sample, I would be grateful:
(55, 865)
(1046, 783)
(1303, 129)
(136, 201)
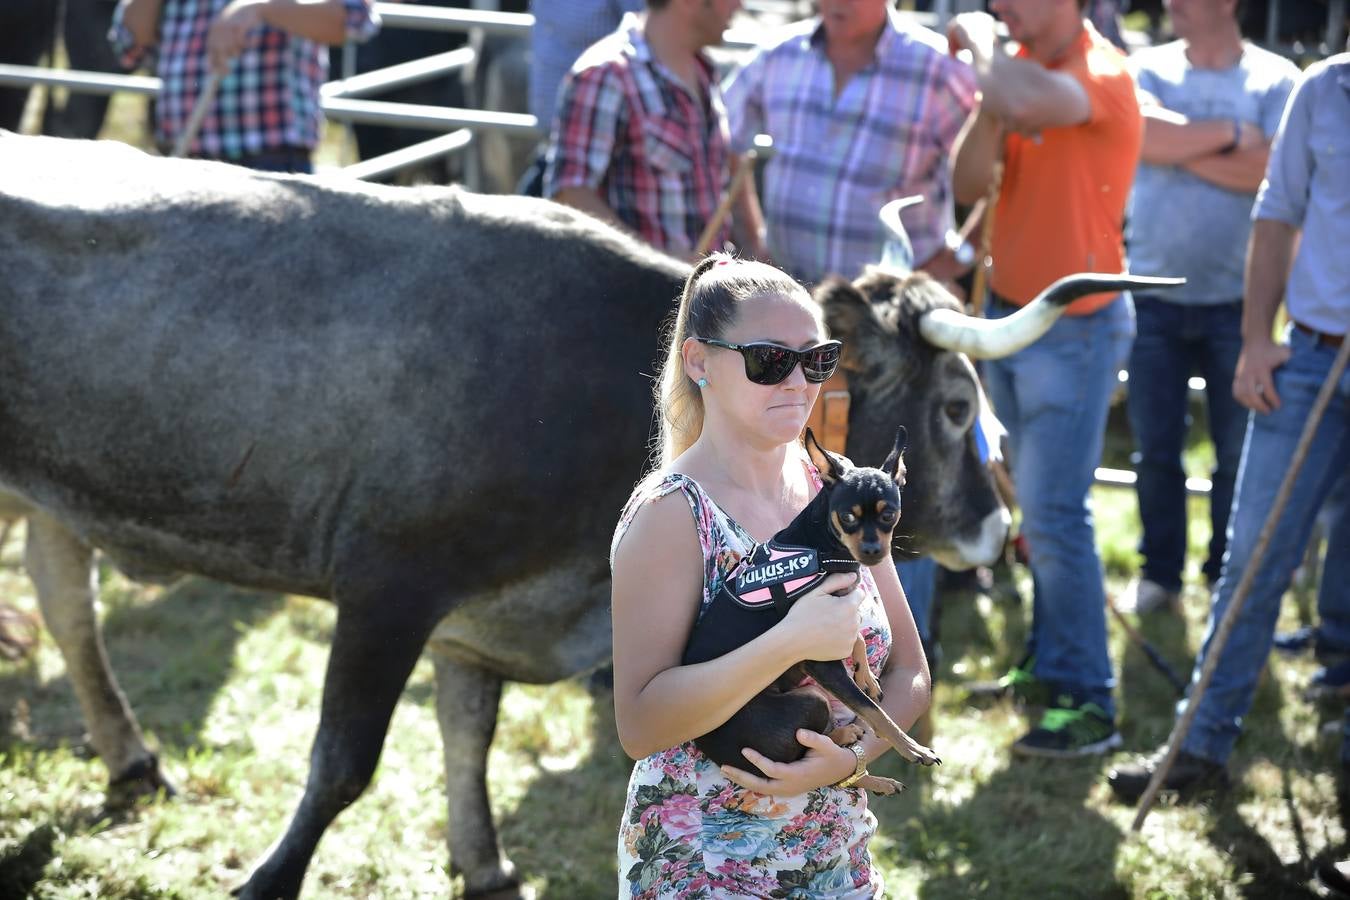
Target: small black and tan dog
(847, 524)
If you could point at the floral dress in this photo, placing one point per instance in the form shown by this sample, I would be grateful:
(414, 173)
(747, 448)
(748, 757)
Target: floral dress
(687, 831)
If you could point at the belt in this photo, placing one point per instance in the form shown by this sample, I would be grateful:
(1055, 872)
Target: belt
(1321, 337)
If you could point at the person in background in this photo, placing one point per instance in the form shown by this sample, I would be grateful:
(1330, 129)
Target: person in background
(273, 59)
(1297, 254)
(639, 136)
(562, 30)
(1063, 116)
(1211, 104)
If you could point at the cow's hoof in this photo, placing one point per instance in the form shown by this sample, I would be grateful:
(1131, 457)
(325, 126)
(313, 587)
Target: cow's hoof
(498, 883)
(262, 886)
(142, 778)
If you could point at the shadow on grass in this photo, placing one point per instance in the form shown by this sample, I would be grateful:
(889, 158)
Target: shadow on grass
(170, 653)
(566, 825)
(22, 864)
(984, 845)
(1252, 854)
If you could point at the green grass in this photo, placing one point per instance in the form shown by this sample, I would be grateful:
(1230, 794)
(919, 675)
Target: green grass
(227, 684)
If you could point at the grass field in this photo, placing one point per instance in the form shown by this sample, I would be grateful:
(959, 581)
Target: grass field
(227, 683)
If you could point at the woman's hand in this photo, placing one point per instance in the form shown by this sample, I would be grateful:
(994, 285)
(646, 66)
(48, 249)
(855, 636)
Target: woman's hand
(825, 763)
(825, 626)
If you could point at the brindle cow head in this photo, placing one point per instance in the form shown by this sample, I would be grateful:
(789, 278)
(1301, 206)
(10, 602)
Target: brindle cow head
(907, 351)
(896, 377)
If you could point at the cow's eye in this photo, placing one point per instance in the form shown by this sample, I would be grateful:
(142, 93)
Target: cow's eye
(957, 410)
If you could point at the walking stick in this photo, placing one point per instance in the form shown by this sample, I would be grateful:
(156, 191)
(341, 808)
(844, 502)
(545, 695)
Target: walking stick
(194, 122)
(982, 260)
(1244, 587)
(761, 150)
(1159, 663)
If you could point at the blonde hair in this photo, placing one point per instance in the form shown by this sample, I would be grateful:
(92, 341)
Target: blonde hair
(708, 307)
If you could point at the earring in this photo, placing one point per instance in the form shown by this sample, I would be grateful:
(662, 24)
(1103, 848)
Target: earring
(702, 383)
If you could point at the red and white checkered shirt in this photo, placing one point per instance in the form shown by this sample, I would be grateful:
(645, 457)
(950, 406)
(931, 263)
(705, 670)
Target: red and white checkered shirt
(268, 102)
(627, 127)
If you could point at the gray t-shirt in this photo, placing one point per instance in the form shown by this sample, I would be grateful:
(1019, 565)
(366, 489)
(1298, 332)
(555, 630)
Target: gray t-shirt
(1180, 224)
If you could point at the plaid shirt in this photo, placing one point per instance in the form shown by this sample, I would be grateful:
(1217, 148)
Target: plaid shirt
(268, 102)
(838, 160)
(628, 128)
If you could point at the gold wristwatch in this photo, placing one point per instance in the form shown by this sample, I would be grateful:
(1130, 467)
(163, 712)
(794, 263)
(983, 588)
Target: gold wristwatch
(859, 771)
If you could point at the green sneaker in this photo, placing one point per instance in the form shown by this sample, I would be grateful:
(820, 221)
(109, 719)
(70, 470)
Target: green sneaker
(1068, 730)
(1019, 683)
(1022, 685)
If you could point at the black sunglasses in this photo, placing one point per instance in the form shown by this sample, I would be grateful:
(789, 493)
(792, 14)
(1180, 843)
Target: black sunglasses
(770, 364)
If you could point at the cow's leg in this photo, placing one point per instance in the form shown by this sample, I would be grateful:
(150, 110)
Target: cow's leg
(375, 644)
(62, 569)
(466, 708)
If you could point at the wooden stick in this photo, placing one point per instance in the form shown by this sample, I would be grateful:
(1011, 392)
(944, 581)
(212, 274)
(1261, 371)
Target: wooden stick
(724, 205)
(194, 122)
(1150, 651)
(1244, 588)
(982, 260)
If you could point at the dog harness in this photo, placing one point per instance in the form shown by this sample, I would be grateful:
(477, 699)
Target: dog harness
(777, 574)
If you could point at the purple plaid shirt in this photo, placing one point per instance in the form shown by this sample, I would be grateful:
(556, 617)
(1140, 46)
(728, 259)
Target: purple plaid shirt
(838, 160)
(268, 102)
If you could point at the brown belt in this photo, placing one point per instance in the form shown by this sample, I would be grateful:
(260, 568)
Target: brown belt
(1322, 338)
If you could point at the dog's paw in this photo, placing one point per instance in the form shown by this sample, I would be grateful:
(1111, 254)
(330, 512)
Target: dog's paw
(847, 734)
(883, 787)
(920, 754)
(868, 683)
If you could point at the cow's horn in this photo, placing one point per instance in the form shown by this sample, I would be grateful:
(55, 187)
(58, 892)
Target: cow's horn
(997, 338)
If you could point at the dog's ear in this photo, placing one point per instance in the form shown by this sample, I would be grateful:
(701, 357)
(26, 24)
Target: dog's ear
(894, 465)
(830, 466)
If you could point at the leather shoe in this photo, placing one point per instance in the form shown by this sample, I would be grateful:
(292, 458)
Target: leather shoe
(1189, 775)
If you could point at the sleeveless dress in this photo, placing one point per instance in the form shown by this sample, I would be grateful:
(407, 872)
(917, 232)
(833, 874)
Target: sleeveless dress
(687, 831)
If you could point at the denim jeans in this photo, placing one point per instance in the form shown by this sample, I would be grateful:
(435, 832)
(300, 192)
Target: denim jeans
(1265, 458)
(1053, 399)
(919, 579)
(1333, 616)
(1173, 342)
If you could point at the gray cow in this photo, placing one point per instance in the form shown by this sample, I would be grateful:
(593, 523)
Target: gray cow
(423, 404)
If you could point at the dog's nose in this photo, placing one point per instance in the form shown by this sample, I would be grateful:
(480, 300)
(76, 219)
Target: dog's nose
(870, 548)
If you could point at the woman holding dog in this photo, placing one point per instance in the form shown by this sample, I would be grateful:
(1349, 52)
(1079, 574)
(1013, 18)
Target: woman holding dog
(731, 417)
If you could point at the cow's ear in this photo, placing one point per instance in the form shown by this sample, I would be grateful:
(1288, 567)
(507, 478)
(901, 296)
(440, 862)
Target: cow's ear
(853, 319)
(894, 465)
(830, 466)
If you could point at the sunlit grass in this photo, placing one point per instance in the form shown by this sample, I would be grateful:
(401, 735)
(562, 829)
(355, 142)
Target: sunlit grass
(227, 683)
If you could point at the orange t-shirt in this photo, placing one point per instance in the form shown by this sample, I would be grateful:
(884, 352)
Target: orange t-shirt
(1062, 204)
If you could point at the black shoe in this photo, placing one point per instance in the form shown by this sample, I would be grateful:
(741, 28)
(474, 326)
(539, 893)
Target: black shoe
(1189, 775)
(1330, 876)
(1068, 730)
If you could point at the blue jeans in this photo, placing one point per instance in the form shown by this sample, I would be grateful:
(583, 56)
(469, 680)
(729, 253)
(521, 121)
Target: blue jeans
(1265, 458)
(1053, 399)
(1173, 342)
(919, 579)
(1333, 615)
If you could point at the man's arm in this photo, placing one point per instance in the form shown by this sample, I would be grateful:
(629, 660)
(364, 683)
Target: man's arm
(1171, 139)
(1240, 171)
(141, 19)
(588, 200)
(323, 21)
(1023, 94)
(1269, 254)
(978, 147)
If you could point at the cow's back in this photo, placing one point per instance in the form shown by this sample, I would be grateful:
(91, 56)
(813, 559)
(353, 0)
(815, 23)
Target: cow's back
(241, 375)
